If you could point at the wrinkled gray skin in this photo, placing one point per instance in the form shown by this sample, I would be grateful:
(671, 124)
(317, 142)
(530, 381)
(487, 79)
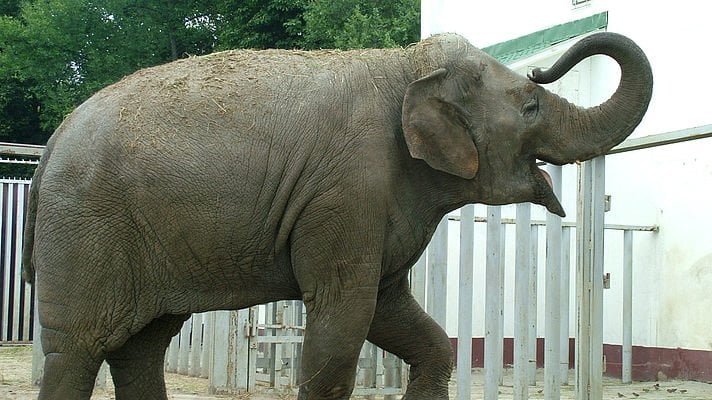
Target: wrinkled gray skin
(244, 177)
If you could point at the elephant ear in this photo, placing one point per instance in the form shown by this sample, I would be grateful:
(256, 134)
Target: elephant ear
(436, 130)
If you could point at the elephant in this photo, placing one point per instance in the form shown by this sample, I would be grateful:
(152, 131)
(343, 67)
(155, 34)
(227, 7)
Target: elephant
(243, 177)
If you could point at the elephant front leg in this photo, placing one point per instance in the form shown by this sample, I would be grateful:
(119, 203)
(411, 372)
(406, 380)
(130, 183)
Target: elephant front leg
(337, 324)
(339, 285)
(401, 327)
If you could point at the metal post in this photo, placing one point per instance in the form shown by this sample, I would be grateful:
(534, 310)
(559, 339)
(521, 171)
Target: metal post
(221, 374)
(599, 209)
(195, 344)
(209, 324)
(552, 312)
(184, 350)
(173, 354)
(627, 373)
(590, 226)
(252, 318)
(522, 265)
(7, 258)
(465, 295)
(493, 305)
(583, 282)
(565, 289)
(229, 365)
(533, 310)
(437, 274)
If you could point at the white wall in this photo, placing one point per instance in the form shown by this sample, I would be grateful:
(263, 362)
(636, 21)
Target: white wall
(670, 186)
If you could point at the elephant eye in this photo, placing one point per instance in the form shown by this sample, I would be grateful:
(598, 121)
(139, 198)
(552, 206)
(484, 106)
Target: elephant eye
(530, 109)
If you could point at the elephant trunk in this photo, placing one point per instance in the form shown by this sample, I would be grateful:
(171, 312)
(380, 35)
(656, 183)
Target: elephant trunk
(587, 133)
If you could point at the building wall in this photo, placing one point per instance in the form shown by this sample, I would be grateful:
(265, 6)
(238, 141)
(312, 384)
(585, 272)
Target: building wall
(669, 186)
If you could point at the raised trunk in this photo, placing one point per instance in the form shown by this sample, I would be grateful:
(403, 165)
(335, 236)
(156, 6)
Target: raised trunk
(587, 133)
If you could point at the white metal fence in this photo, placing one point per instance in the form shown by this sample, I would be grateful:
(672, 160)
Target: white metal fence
(236, 352)
(260, 347)
(240, 350)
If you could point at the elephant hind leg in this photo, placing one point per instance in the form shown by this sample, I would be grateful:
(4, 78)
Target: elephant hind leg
(69, 368)
(137, 366)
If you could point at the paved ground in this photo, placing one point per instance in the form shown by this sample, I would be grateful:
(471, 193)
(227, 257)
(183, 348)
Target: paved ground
(16, 363)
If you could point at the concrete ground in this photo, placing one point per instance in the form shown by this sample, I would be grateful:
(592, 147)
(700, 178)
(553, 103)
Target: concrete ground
(16, 365)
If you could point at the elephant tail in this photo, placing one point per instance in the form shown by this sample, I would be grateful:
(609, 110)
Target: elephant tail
(28, 239)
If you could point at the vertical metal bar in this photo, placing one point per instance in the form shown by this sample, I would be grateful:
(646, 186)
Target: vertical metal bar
(589, 352)
(598, 210)
(276, 365)
(493, 306)
(271, 348)
(533, 310)
(295, 307)
(627, 373)
(208, 329)
(7, 229)
(392, 374)
(222, 360)
(465, 296)
(552, 311)
(437, 274)
(28, 288)
(418, 277)
(242, 347)
(18, 203)
(565, 290)
(500, 342)
(184, 351)
(173, 354)
(583, 282)
(196, 335)
(251, 337)
(522, 267)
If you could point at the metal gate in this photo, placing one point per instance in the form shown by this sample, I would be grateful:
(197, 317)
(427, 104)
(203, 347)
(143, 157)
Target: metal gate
(16, 306)
(263, 352)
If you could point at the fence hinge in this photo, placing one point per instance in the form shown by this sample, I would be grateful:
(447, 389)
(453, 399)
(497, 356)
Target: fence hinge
(251, 326)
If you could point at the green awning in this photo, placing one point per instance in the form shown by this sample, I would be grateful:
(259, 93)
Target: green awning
(525, 46)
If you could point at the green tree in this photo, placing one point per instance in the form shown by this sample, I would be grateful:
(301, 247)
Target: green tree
(361, 23)
(259, 24)
(54, 54)
(10, 7)
(59, 52)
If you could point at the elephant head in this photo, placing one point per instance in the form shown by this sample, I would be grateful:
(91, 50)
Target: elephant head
(475, 119)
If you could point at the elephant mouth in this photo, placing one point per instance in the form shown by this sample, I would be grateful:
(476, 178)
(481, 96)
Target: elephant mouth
(544, 192)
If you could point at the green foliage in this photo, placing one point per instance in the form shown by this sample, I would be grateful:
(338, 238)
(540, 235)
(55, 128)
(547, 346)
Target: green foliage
(259, 24)
(10, 7)
(361, 23)
(54, 54)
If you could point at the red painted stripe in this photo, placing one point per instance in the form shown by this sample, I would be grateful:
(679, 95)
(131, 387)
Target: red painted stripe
(648, 362)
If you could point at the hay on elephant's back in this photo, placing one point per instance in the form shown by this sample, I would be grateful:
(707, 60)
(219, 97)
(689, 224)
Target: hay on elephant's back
(229, 86)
